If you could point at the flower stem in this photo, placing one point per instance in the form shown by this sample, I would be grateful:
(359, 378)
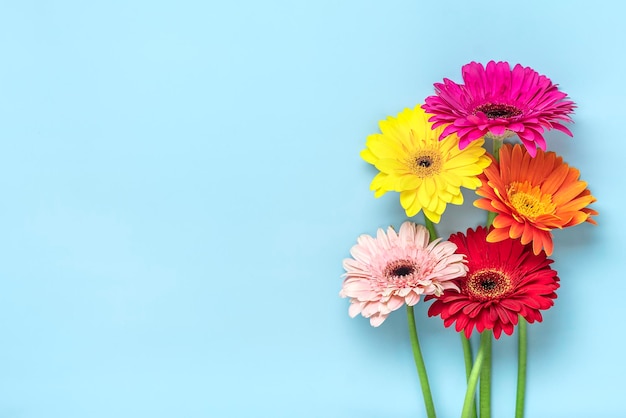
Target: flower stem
(521, 367)
(467, 356)
(497, 144)
(469, 409)
(485, 375)
(419, 363)
(431, 228)
(490, 217)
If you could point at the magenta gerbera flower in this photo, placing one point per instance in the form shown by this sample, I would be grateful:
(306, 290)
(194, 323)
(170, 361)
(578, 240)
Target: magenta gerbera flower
(397, 268)
(499, 102)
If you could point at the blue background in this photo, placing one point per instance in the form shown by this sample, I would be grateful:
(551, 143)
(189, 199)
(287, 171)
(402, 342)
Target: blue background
(180, 181)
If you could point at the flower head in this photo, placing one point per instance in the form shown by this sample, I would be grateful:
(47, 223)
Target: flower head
(532, 196)
(428, 173)
(504, 280)
(499, 102)
(397, 268)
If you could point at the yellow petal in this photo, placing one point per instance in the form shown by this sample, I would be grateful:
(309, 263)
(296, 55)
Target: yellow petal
(433, 216)
(457, 199)
(407, 198)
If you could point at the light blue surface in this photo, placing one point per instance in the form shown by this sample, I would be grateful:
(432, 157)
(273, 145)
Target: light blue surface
(180, 182)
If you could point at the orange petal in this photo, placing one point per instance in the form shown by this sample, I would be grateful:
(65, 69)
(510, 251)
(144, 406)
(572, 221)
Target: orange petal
(498, 234)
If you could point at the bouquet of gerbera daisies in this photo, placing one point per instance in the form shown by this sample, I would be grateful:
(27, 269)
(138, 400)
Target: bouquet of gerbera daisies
(490, 278)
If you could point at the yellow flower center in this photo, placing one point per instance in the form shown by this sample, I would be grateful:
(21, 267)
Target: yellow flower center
(529, 201)
(487, 284)
(425, 163)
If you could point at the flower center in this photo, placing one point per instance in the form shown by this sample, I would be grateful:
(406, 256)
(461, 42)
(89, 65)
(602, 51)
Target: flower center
(400, 269)
(425, 163)
(498, 111)
(403, 271)
(487, 284)
(528, 201)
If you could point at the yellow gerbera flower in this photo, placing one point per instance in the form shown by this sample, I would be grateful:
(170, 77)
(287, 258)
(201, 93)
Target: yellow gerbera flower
(427, 172)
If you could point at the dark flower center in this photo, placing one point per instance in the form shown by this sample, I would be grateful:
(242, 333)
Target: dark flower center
(400, 269)
(403, 271)
(497, 111)
(424, 162)
(488, 284)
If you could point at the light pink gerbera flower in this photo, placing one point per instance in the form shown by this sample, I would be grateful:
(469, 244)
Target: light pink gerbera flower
(499, 102)
(397, 268)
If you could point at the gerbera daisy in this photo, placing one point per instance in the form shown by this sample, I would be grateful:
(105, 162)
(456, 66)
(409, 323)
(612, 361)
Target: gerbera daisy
(428, 173)
(532, 196)
(499, 102)
(504, 280)
(397, 268)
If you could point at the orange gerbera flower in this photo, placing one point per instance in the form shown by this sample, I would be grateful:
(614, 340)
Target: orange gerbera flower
(532, 196)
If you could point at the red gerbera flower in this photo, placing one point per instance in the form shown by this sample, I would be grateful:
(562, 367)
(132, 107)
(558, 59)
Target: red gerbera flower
(505, 279)
(499, 102)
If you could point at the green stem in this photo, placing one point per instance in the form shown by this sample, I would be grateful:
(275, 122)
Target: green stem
(490, 217)
(521, 367)
(470, 396)
(467, 356)
(419, 363)
(497, 144)
(485, 375)
(431, 228)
